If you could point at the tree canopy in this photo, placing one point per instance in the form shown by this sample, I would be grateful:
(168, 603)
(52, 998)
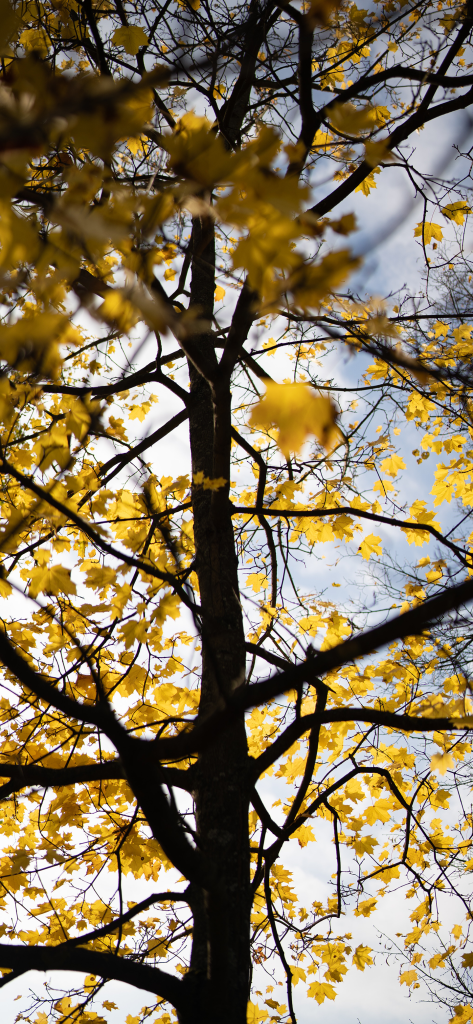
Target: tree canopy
(206, 426)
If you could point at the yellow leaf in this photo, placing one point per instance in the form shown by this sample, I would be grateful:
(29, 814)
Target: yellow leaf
(100, 577)
(392, 465)
(196, 151)
(78, 419)
(441, 763)
(131, 37)
(368, 183)
(365, 908)
(433, 575)
(378, 153)
(428, 230)
(297, 412)
(408, 977)
(118, 311)
(462, 1015)
(168, 607)
(320, 11)
(361, 957)
(256, 580)
(345, 225)
(383, 486)
(256, 1013)
(208, 483)
(136, 630)
(157, 947)
(219, 293)
(320, 990)
(305, 835)
(362, 845)
(456, 211)
(35, 39)
(53, 580)
(352, 120)
(371, 545)
(311, 284)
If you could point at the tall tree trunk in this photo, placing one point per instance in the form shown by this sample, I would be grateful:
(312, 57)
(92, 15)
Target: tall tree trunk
(220, 966)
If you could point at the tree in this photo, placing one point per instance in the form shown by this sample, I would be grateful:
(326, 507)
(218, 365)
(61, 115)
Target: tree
(162, 648)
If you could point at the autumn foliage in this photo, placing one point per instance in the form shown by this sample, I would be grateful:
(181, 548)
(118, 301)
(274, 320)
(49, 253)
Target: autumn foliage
(236, 492)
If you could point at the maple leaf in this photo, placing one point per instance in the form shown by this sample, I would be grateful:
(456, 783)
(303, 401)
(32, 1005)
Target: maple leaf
(362, 845)
(350, 119)
(393, 465)
(53, 580)
(365, 907)
(131, 37)
(378, 152)
(362, 958)
(298, 974)
(256, 580)
(168, 607)
(297, 412)
(428, 231)
(344, 225)
(208, 483)
(320, 991)
(320, 11)
(125, 218)
(441, 763)
(368, 183)
(408, 977)
(371, 545)
(256, 1013)
(456, 211)
(117, 310)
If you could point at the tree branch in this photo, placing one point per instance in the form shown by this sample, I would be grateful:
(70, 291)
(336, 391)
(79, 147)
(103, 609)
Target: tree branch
(99, 933)
(348, 510)
(272, 659)
(106, 965)
(399, 135)
(6, 467)
(411, 623)
(388, 719)
(119, 461)
(22, 775)
(42, 688)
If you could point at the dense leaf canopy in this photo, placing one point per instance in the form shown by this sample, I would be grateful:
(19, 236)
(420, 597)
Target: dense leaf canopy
(206, 426)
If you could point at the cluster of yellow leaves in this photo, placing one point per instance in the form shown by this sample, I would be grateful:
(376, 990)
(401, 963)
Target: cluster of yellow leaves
(140, 661)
